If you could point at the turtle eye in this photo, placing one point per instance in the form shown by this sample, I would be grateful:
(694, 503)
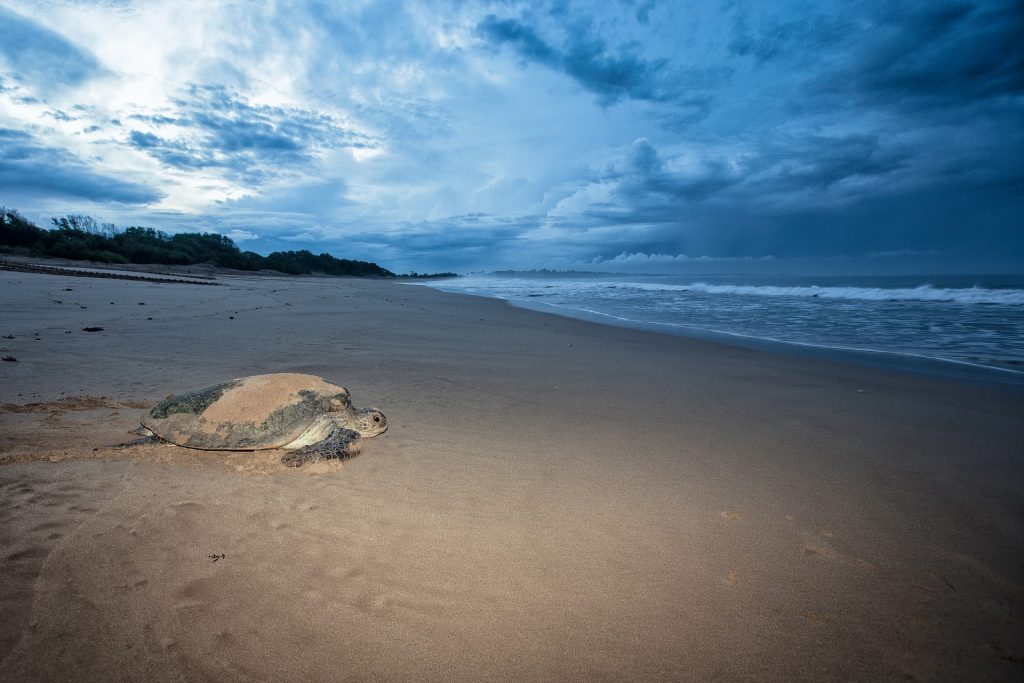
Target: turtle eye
(376, 418)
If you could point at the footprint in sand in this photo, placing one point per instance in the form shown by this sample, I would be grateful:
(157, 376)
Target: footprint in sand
(196, 595)
(816, 544)
(827, 552)
(941, 579)
(937, 588)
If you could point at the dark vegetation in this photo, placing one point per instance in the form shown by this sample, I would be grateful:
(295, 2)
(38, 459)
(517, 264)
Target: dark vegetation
(82, 238)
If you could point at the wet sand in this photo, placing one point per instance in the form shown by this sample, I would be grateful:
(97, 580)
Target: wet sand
(554, 500)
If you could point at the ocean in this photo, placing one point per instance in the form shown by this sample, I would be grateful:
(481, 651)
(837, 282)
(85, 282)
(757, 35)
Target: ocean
(969, 326)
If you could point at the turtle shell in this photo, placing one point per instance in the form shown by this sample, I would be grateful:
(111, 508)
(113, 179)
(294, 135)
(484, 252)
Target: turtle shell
(248, 413)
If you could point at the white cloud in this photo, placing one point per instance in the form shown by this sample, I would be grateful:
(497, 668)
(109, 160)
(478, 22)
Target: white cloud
(640, 258)
(241, 235)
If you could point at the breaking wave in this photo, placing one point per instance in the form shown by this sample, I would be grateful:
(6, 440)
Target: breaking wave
(962, 295)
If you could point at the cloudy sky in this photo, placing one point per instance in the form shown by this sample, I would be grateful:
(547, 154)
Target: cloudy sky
(612, 135)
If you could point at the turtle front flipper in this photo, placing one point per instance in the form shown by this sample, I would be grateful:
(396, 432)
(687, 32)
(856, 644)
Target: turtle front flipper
(338, 444)
(143, 441)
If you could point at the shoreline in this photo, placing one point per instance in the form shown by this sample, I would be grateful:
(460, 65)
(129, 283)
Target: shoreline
(896, 361)
(554, 499)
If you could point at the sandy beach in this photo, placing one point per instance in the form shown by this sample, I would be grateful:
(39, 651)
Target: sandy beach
(553, 500)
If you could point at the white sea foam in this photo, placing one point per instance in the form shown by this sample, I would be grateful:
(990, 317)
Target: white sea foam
(506, 287)
(962, 295)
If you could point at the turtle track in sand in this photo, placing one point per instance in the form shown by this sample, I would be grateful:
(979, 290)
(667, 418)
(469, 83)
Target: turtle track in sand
(69, 403)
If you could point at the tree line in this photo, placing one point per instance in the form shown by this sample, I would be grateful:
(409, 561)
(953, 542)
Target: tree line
(80, 237)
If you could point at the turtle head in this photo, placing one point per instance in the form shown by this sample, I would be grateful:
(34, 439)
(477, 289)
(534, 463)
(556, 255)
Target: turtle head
(370, 422)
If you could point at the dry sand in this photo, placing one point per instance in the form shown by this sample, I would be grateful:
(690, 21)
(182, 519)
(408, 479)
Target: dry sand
(554, 500)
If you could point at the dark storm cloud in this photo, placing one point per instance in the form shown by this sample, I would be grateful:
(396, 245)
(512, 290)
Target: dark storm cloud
(779, 38)
(41, 56)
(645, 177)
(852, 195)
(467, 231)
(458, 242)
(251, 142)
(648, 190)
(943, 53)
(28, 168)
(818, 162)
(466, 241)
(586, 58)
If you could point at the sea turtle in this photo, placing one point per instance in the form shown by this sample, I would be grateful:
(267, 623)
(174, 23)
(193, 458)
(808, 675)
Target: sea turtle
(309, 417)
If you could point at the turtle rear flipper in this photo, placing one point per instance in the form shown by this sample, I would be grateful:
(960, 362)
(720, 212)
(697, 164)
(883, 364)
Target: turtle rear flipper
(338, 445)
